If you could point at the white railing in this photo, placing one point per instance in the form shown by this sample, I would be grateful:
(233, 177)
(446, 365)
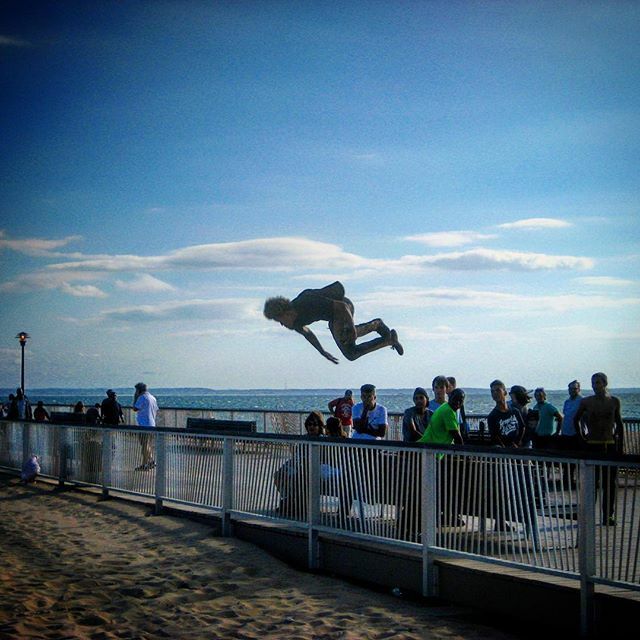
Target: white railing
(292, 422)
(547, 513)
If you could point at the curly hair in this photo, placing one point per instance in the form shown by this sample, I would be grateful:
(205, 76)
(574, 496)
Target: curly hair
(275, 307)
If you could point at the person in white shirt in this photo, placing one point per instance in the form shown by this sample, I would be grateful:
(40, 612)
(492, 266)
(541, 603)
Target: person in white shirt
(146, 408)
(369, 419)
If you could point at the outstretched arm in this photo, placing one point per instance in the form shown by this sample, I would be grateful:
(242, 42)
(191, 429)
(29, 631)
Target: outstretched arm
(311, 338)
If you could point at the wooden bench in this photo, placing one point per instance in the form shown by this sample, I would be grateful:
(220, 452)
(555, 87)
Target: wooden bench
(221, 427)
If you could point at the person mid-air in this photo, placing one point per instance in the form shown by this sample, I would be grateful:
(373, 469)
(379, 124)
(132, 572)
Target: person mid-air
(330, 303)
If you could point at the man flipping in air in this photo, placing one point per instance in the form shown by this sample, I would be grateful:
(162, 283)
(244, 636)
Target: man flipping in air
(330, 303)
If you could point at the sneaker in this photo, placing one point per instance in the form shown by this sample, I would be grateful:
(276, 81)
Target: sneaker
(396, 346)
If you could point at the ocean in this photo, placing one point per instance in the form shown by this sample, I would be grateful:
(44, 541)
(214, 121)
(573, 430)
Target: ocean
(478, 401)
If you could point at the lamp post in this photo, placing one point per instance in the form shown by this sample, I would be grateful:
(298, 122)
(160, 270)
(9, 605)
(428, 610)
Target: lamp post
(23, 336)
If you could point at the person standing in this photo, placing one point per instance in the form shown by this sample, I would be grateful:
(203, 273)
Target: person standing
(443, 428)
(110, 409)
(506, 425)
(416, 418)
(342, 409)
(146, 408)
(547, 415)
(439, 387)
(603, 434)
(569, 439)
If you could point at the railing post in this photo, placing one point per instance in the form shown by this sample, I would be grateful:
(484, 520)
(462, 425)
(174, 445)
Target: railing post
(63, 453)
(227, 484)
(25, 443)
(429, 521)
(587, 546)
(106, 461)
(313, 502)
(161, 476)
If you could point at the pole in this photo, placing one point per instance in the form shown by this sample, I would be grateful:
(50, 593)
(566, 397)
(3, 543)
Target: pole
(22, 343)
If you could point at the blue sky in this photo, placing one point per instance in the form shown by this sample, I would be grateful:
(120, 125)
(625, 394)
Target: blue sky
(468, 170)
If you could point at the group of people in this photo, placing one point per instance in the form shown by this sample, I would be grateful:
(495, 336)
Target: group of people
(593, 423)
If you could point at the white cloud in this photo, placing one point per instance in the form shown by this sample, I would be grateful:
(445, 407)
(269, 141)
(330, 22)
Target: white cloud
(604, 281)
(144, 283)
(535, 224)
(297, 254)
(38, 280)
(37, 247)
(187, 310)
(502, 302)
(490, 259)
(82, 290)
(450, 238)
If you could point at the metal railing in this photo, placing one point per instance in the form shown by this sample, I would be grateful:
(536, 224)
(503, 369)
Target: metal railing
(292, 422)
(575, 517)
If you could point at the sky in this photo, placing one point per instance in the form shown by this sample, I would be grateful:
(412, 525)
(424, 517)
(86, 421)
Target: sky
(468, 170)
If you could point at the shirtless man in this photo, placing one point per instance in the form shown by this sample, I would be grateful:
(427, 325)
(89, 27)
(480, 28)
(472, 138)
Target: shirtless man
(604, 435)
(330, 303)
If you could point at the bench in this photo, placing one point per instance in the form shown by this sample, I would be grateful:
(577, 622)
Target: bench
(67, 417)
(221, 427)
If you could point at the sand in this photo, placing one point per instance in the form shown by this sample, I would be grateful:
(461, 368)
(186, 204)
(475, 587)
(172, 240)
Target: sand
(76, 566)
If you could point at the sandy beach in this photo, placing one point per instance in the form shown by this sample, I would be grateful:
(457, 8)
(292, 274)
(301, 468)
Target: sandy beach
(76, 566)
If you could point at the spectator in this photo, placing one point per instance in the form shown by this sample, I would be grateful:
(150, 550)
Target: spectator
(110, 409)
(443, 428)
(330, 303)
(519, 399)
(146, 408)
(547, 415)
(512, 488)
(40, 414)
(5, 410)
(79, 407)
(569, 439)
(462, 415)
(93, 414)
(439, 388)
(603, 435)
(292, 477)
(416, 418)
(20, 407)
(506, 425)
(369, 418)
(314, 424)
(342, 408)
(334, 428)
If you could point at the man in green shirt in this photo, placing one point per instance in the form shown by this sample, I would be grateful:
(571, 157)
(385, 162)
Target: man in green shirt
(443, 427)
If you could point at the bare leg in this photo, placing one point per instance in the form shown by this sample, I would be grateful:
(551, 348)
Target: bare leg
(373, 325)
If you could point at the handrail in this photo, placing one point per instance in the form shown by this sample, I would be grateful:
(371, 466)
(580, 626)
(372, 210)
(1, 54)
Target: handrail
(516, 508)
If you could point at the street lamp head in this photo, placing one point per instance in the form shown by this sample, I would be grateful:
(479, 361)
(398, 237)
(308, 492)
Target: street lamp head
(23, 336)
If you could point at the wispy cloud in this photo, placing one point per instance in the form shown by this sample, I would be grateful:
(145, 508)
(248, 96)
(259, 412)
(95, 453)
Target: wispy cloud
(297, 254)
(502, 302)
(490, 259)
(186, 310)
(37, 247)
(82, 290)
(38, 280)
(144, 283)
(536, 224)
(450, 238)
